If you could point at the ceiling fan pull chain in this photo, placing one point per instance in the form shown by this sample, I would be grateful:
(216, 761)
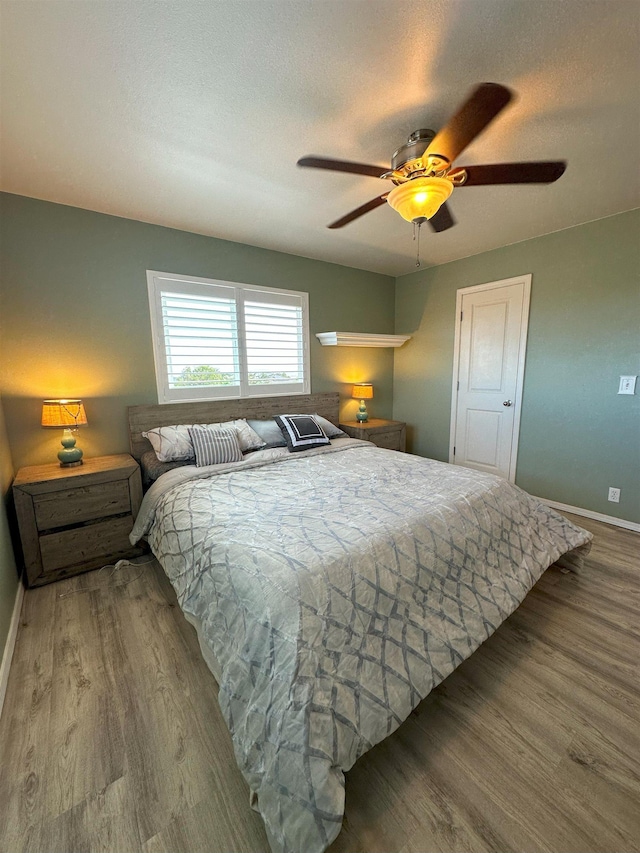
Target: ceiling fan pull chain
(414, 237)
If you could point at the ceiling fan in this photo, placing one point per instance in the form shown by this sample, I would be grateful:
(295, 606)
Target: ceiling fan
(423, 172)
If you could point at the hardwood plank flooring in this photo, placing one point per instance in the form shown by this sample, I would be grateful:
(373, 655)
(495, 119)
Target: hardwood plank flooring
(111, 738)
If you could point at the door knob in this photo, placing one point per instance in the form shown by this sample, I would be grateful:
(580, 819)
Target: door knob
(507, 403)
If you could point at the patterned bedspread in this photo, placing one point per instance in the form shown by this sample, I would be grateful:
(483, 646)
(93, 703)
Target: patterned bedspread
(336, 588)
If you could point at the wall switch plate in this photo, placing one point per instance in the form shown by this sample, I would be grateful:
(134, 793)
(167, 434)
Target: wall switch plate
(614, 495)
(627, 385)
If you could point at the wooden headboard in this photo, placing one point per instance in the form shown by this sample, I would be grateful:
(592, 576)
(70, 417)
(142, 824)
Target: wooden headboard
(143, 418)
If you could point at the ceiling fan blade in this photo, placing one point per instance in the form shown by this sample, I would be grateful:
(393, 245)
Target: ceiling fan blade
(359, 211)
(343, 166)
(443, 219)
(471, 119)
(514, 173)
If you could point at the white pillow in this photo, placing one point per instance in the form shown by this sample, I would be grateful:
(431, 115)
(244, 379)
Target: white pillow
(173, 443)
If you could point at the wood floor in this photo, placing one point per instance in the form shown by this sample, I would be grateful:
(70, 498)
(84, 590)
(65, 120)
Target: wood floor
(111, 738)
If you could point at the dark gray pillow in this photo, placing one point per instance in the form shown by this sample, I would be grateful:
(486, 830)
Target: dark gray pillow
(268, 431)
(152, 467)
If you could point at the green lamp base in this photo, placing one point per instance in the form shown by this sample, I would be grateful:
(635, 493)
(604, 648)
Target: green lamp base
(362, 416)
(70, 456)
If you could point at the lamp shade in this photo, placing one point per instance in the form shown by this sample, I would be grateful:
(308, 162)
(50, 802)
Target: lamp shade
(420, 198)
(63, 413)
(363, 391)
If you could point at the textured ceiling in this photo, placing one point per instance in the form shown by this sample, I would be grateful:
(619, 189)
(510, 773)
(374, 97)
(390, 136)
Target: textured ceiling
(193, 114)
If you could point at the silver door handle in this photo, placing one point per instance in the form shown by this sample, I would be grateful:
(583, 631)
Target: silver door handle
(507, 403)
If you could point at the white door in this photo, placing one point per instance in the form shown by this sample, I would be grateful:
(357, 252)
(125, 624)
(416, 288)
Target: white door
(491, 336)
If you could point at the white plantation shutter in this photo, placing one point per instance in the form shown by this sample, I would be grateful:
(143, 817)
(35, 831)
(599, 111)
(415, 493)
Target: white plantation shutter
(200, 329)
(219, 339)
(274, 336)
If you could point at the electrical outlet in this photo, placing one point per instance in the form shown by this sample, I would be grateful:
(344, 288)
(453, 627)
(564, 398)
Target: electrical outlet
(614, 495)
(627, 385)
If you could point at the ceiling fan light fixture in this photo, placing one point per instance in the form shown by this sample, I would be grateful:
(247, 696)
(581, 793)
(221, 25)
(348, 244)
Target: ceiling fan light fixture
(420, 198)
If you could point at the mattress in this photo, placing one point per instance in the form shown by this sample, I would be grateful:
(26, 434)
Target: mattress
(335, 588)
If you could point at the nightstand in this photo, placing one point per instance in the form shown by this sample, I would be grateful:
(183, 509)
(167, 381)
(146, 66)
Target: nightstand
(389, 434)
(72, 520)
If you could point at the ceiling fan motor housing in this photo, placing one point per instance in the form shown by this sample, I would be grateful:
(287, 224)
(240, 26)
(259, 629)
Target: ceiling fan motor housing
(414, 148)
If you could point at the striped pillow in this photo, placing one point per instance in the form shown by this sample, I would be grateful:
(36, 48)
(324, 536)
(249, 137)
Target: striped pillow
(215, 446)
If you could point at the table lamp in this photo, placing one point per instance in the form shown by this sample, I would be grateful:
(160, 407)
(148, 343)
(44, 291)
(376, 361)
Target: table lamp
(69, 415)
(363, 391)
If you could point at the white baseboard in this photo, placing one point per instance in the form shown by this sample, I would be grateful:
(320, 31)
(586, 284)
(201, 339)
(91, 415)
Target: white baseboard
(597, 516)
(10, 644)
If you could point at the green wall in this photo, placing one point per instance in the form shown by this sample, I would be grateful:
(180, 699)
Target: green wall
(76, 317)
(8, 574)
(577, 435)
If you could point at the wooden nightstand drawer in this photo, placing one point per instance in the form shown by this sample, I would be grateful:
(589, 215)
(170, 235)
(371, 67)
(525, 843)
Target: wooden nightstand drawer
(390, 435)
(74, 506)
(89, 546)
(72, 520)
(389, 439)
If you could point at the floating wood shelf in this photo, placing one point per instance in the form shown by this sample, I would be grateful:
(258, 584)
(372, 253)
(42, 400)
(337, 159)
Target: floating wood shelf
(360, 339)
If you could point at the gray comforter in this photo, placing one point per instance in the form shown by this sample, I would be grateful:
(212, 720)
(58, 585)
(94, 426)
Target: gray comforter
(336, 588)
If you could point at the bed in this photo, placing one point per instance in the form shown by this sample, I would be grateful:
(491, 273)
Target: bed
(331, 590)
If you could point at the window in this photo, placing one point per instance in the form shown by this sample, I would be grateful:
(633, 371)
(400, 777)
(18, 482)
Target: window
(215, 339)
